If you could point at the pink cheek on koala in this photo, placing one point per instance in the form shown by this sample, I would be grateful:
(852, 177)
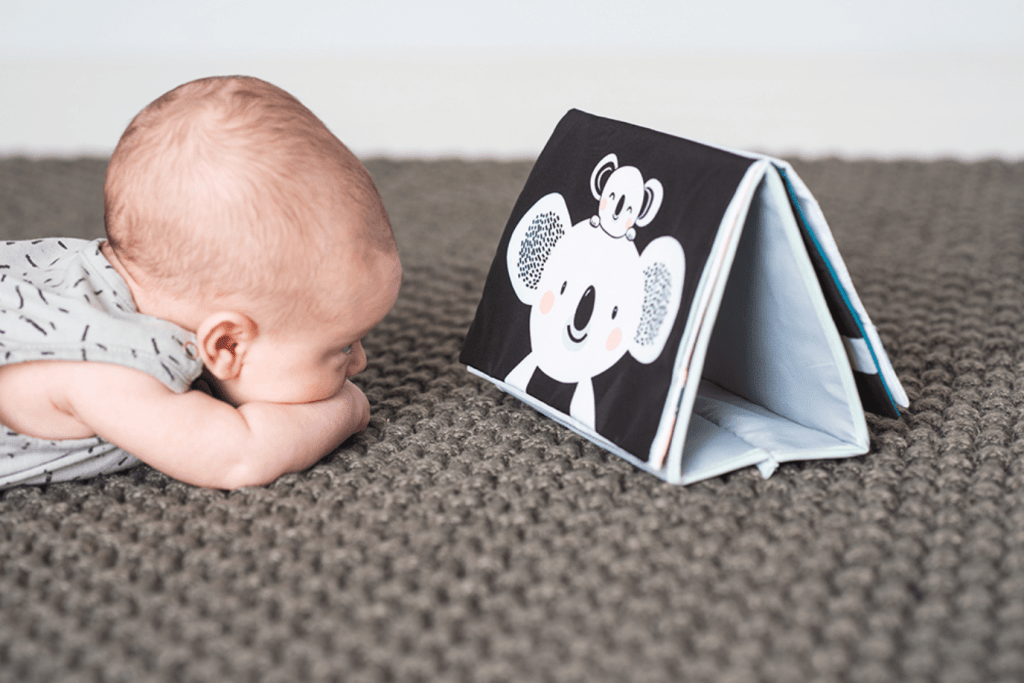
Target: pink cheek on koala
(547, 301)
(604, 203)
(614, 339)
(629, 223)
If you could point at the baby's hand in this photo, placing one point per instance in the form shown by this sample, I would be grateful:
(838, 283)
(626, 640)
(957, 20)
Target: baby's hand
(357, 407)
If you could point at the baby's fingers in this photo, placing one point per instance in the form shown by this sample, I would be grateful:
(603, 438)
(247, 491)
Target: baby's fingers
(358, 406)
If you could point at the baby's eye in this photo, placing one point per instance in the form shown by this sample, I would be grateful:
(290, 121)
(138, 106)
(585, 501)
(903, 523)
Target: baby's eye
(347, 350)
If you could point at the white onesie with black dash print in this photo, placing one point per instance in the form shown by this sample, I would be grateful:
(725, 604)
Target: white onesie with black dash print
(60, 299)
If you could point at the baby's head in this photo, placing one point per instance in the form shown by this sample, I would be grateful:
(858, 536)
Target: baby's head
(237, 214)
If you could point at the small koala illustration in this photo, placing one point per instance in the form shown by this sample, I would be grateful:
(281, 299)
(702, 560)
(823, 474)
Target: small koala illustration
(625, 201)
(594, 297)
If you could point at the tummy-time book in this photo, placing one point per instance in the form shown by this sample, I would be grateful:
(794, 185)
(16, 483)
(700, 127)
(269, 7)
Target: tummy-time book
(681, 305)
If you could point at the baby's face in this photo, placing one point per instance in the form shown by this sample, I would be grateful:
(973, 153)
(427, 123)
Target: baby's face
(312, 361)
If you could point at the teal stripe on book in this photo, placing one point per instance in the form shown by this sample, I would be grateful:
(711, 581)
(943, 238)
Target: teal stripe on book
(823, 259)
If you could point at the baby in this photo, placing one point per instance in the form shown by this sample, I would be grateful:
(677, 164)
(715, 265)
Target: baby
(245, 243)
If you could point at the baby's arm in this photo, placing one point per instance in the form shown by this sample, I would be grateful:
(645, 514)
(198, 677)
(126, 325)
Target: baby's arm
(194, 437)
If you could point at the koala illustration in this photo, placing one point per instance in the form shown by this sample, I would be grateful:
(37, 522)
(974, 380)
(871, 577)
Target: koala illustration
(624, 199)
(594, 298)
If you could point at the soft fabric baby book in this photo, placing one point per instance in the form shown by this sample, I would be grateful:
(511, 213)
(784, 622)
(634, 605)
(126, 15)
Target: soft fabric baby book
(681, 305)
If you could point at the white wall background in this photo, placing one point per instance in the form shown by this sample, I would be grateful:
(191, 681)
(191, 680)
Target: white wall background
(879, 78)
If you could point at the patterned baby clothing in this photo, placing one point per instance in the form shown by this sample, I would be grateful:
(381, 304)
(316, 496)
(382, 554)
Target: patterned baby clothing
(60, 299)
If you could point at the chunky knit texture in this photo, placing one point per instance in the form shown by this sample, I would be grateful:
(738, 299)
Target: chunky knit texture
(463, 537)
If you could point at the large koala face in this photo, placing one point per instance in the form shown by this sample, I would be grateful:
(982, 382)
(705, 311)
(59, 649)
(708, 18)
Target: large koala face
(594, 298)
(585, 315)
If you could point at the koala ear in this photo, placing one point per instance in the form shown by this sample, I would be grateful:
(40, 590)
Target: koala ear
(653, 194)
(599, 177)
(532, 241)
(663, 266)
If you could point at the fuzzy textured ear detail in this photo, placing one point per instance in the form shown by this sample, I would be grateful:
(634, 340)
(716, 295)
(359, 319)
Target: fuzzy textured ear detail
(663, 266)
(532, 242)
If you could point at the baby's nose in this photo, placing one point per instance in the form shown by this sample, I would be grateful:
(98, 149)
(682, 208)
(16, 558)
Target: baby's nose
(358, 360)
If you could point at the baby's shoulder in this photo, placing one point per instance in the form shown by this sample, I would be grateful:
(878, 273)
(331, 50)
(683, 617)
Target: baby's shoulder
(40, 252)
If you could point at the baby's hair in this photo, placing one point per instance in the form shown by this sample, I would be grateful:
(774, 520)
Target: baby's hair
(230, 187)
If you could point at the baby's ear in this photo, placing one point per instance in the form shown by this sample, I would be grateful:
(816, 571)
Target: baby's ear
(223, 340)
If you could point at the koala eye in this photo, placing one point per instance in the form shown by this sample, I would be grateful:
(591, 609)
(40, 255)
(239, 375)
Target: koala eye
(563, 287)
(611, 196)
(615, 312)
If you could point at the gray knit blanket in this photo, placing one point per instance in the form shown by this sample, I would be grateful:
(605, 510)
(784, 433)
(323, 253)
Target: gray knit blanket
(464, 537)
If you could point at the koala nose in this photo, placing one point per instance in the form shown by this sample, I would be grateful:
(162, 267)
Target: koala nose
(584, 309)
(618, 207)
